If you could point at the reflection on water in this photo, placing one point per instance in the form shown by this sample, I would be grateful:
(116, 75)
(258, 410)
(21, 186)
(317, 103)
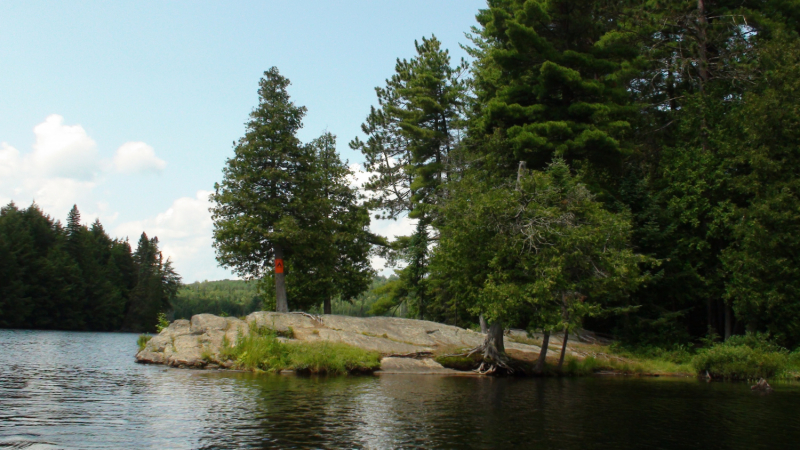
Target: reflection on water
(83, 390)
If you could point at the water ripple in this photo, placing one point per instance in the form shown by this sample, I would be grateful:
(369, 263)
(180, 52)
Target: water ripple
(84, 391)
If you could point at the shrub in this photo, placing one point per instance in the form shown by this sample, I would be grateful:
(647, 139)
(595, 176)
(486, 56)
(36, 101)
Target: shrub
(288, 333)
(743, 358)
(143, 340)
(162, 322)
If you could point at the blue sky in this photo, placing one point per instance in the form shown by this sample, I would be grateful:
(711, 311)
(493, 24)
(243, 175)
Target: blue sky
(129, 109)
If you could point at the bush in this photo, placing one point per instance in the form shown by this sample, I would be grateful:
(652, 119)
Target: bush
(162, 322)
(746, 357)
(143, 340)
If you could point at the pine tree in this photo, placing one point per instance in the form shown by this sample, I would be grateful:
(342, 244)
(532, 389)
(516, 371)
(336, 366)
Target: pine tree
(552, 76)
(410, 140)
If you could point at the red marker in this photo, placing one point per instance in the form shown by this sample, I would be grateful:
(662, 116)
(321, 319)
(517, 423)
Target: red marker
(278, 266)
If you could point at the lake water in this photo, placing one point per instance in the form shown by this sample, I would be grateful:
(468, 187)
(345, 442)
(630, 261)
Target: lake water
(84, 391)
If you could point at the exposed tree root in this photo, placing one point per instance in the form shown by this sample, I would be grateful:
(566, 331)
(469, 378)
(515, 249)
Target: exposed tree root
(493, 355)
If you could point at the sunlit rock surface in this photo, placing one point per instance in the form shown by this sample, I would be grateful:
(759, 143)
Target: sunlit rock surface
(190, 343)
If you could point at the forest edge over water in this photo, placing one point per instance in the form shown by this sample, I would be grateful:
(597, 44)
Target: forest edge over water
(626, 168)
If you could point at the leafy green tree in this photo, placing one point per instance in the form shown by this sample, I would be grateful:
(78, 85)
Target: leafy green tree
(224, 298)
(257, 211)
(758, 150)
(550, 253)
(702, 59)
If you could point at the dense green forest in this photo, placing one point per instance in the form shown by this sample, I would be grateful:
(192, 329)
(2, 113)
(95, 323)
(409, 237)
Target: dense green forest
(629, 167)
(76, 277)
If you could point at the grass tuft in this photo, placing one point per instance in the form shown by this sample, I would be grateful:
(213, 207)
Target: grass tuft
(262, 351)
(143, 340)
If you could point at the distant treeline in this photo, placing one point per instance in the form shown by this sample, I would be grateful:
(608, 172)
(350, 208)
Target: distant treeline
(238, 298)
(224, 298)
(76, 277)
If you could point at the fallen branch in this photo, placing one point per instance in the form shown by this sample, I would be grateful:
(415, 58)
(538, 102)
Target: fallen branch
(317, 319)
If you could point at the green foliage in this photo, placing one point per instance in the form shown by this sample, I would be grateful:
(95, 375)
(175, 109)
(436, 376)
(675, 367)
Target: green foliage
(143, 340)
(162, 322)
(550, 254)
(259, 207)
(77, 277)
(261, 350)
(334, 263)
(157, 285)
(233, 298)
(280, 199)
(742, 359)
(411, 138)
(553, 77)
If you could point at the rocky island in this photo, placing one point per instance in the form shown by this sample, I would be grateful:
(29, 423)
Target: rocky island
(404, 345)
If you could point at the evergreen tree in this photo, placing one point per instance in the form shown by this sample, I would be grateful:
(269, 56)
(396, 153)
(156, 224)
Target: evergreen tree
(258, 212)
(156, 285)
(335, 263)
(552, 76)
(410, 139)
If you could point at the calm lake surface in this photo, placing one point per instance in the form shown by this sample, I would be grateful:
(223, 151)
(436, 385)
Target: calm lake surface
(84, 391)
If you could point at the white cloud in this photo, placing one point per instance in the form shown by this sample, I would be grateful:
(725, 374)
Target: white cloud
(63, 151)
(137, 157)
(64, 168)
(185, 235)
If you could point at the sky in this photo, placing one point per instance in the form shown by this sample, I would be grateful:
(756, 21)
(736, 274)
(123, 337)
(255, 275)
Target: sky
(129, 109)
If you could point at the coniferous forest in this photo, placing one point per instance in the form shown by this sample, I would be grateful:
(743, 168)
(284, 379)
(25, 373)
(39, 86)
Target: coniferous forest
(628, 167)
(76, 277)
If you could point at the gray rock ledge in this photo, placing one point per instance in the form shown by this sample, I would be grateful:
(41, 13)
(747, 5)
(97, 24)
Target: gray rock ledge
(184, 342)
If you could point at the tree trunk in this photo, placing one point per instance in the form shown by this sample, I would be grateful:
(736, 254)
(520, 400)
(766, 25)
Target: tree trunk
(493, 351)
(494, 339)
(543, 354)
(484, 327)
(565, 318)
(326, 306)
(563, 350)
(728, 321)
(712, 323)
(281, 305)
(702, 44)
